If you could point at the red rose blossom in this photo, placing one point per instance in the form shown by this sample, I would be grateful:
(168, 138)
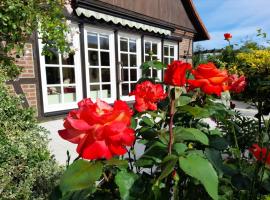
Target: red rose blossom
(147, 95)
(237, 84)
(209, 78)
(227, 36)
(100, 130)
(175, 74)
(260, 153)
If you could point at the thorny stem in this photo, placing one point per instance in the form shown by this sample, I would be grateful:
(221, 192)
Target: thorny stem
(171, 127)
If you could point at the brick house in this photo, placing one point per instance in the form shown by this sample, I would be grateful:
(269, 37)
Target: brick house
(112, 38)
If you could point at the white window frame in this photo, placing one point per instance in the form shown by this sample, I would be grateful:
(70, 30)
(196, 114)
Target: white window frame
(110, 33)
(158, 41)
(77, 73)
(170, 44)
(139, 60)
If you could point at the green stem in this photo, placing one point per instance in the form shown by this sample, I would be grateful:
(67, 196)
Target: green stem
(171, 139)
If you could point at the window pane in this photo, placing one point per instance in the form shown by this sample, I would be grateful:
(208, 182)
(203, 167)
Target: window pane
(93, 58)
(123, 44)
(54, 95)
(125, 89)
(166, 50)
(105, 74)
(171, 60)
(69, 94)
(133, 60)
(147, 72)
(94, 75)
(104, 42)
(154, 48)
(105, 58)
(154, 73)
(68, 75)
(53, 75)
(95, 91)
(133, 85)
(106, 91)
(53, 58)
(124, 59)
(172, 51)
(92, 41)
(154, 58)
(125, 78)
(133, 74)
(132, 45)
(69, 60)
(147, 58)
(147, 47)
(166, 61)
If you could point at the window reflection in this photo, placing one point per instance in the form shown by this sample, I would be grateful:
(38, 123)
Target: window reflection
(69, 94)
(94, 75)
(93, 58)
(53, 75)
(68, 75)
(92, 41)
(54, 95)
(53, 58)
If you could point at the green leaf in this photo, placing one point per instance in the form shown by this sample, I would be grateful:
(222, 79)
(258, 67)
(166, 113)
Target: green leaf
(168, 166)
(180, 148)
(190, 134)
(117, 162)
(125, 180)
(154, 154)
(183, 100)
(197, 111)
(133, 123)
(148, 121)
(201, 169)
(80, 175)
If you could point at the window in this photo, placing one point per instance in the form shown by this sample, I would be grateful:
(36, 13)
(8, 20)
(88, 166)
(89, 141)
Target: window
(130, 59)
(61, 79)
(170, 53)
(152, 51)
(100, 64)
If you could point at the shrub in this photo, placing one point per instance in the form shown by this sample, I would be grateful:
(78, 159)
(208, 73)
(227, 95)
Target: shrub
(27, 170)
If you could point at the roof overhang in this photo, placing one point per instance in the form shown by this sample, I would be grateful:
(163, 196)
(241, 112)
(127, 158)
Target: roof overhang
(122, 21)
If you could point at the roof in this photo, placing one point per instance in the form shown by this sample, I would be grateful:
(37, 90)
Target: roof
(166, 14)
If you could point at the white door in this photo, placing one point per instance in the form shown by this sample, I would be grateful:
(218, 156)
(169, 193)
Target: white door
(100, 64)
(130, 61)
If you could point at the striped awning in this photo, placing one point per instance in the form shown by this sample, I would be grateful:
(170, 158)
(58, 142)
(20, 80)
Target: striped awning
(123, 22)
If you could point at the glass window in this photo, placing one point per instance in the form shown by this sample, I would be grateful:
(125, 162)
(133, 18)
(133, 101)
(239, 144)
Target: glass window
(53, 75)
(104, 42)
(93, 58)
(92, 41)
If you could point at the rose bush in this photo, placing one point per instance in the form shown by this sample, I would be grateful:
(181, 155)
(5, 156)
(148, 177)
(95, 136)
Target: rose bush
(210, 79)
(100, 130)
(181, 157)
(175, 74)
(147, 95)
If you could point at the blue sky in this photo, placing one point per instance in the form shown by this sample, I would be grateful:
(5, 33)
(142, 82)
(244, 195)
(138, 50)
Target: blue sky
(241, 18)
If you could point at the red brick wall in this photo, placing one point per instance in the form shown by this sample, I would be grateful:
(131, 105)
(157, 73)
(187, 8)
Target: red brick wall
(28, 72)
(27, 63)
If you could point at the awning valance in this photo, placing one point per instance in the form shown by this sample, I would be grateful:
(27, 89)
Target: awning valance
(118, 20)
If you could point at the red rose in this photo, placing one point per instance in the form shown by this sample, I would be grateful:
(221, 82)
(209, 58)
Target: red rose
(260, 153)
(237, 84)
(209, 78)
(227, 36)
(100, 130)
(147, 95)
(175, 74)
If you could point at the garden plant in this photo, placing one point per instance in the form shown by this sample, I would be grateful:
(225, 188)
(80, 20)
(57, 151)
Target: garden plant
(183, 157)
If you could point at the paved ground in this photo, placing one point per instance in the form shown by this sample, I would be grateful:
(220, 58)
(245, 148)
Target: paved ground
(59, 147)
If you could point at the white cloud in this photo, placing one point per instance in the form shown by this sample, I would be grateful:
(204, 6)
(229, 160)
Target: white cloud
(238, 17)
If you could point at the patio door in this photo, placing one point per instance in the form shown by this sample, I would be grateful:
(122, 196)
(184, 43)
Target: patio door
(129, 56)
(100, 64)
